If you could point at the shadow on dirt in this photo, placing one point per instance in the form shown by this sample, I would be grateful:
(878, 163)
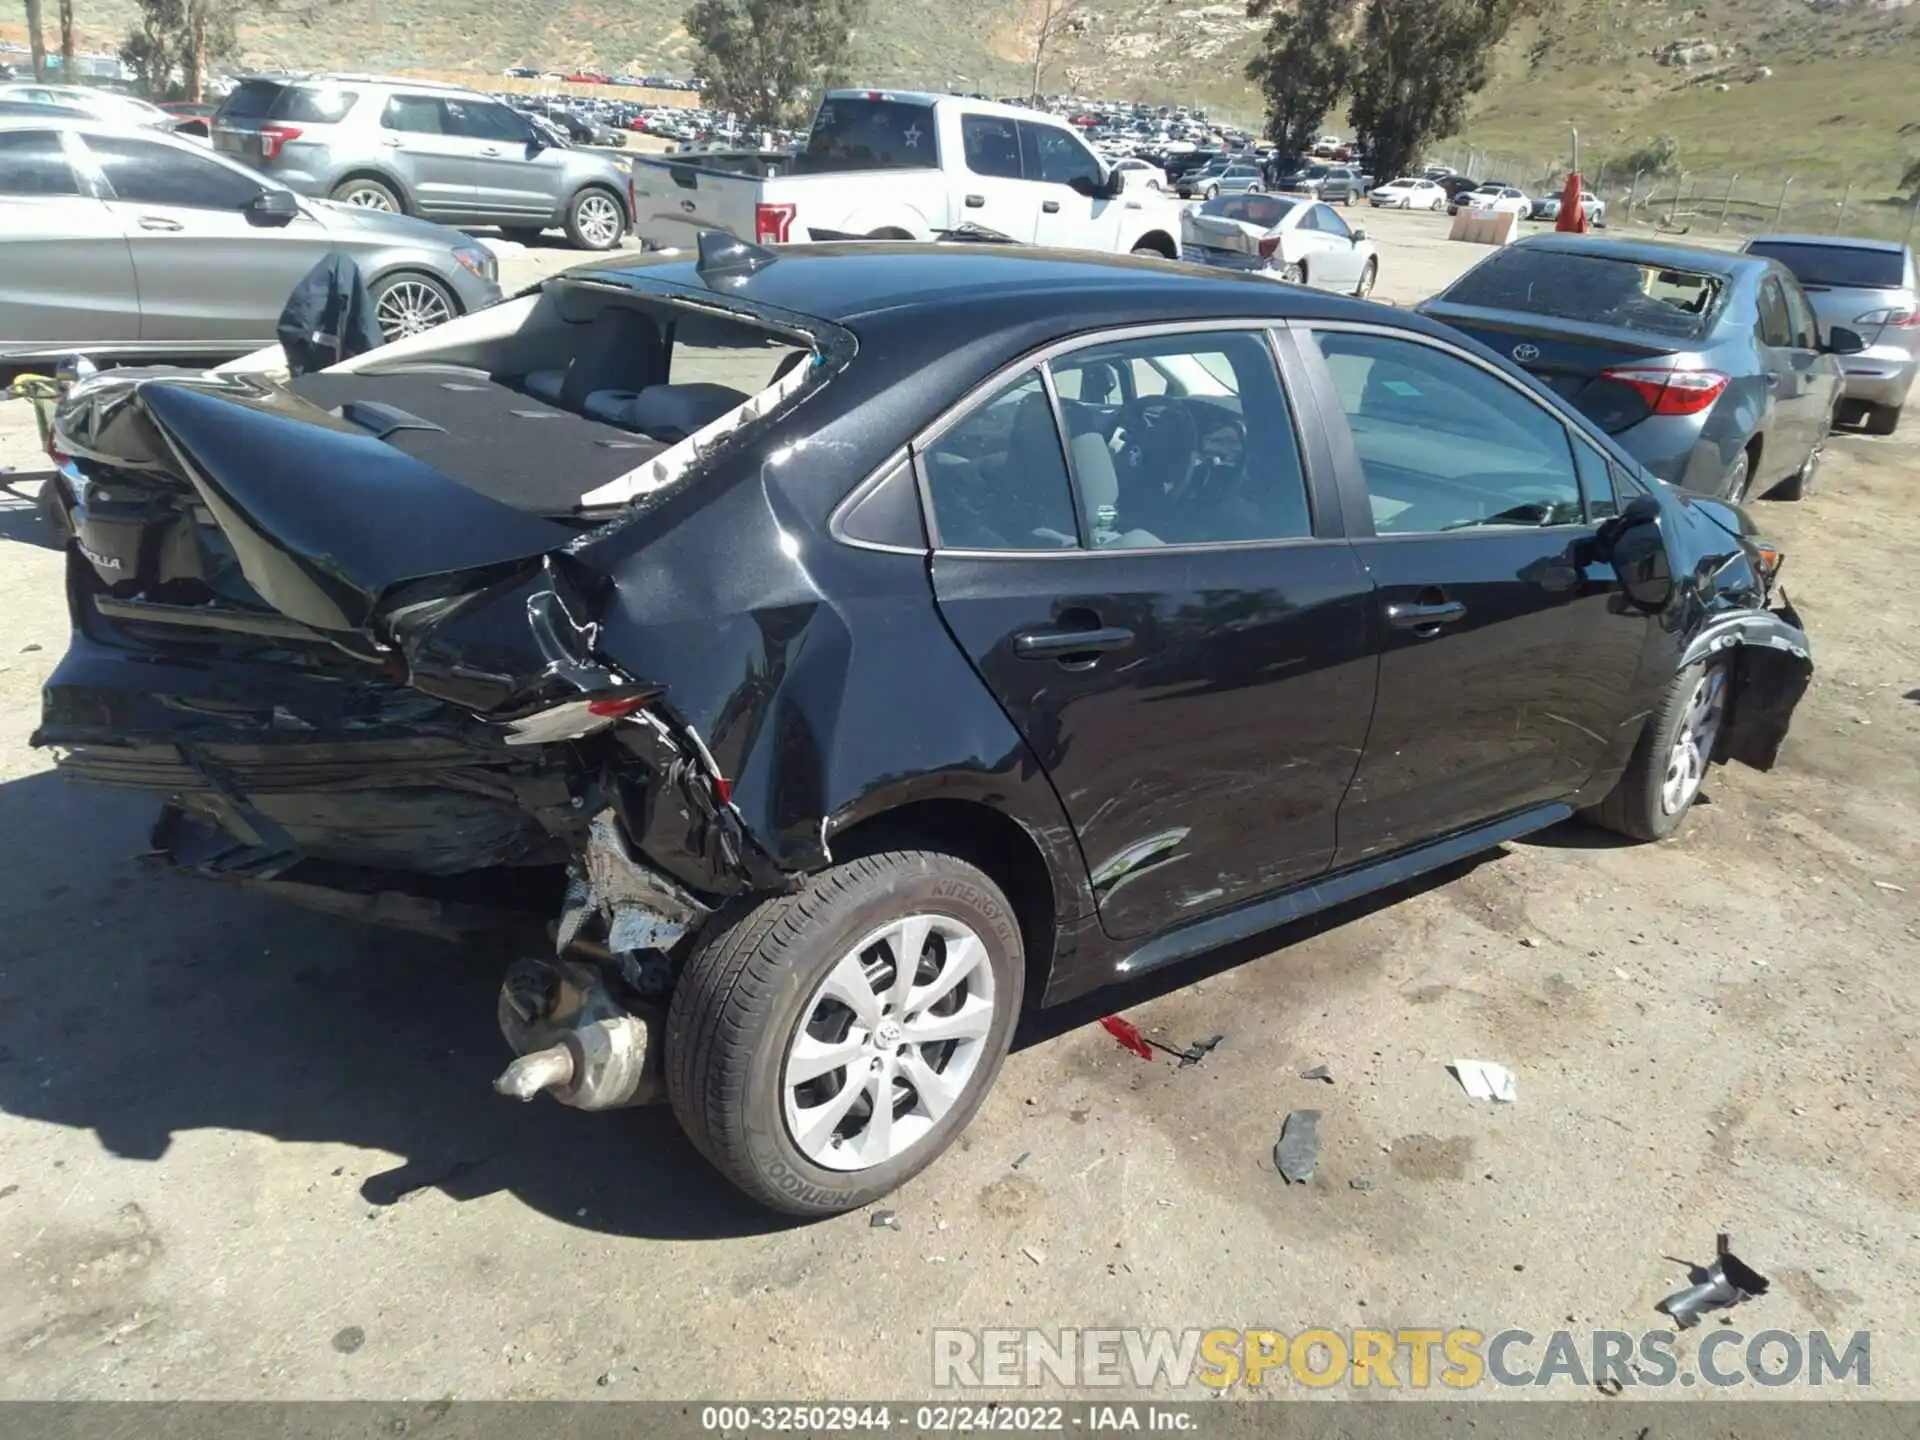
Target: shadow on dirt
(139, 1005)
(20, 517)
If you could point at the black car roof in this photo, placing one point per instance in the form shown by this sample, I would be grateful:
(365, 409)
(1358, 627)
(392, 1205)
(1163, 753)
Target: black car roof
(1651, 252)
(844, 282)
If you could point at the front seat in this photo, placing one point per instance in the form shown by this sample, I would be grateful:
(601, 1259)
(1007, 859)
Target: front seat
(622, 351)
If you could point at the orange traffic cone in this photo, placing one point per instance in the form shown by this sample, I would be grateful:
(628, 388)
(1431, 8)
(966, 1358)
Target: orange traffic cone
(1573, 215)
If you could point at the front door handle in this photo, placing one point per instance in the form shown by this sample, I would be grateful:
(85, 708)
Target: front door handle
(491, 150)
(1067, 644)
(159, 222)
(1425, 619)
(1773, 379)
(1052, 207)
(976, 202)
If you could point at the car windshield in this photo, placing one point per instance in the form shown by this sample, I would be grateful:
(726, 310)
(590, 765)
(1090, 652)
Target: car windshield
(1844, 267)
(1264, 210)
(874, 134)
(1595, 289)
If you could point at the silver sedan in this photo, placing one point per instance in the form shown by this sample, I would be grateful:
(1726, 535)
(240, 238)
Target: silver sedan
(116, 241)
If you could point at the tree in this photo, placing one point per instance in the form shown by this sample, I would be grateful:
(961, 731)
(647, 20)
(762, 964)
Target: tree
(759, 56)
(1053, 15)
(66, 41)
(1304, 65)
(1420, 62)
(1659, 156)
(152, 49)
(36, 40)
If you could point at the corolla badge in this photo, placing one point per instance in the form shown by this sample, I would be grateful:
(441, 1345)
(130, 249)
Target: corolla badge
(1526, 354)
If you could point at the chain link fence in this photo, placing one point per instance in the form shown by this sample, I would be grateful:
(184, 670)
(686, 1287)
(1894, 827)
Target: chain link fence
(1707, 206)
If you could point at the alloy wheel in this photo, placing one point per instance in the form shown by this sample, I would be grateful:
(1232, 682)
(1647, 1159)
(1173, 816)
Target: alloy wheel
(408, 307)
(367, 197)
(1294, 274)
(888, 1043)
(1692, 747)
(598, 219)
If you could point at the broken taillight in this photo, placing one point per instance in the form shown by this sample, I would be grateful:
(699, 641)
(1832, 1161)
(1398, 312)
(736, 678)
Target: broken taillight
(1269, 247)
(615, 709)
(1670, 392)
(273, 139)
(575, 719)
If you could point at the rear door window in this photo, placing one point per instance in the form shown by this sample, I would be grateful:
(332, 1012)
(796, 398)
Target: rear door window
(998, 479)
(33, 164)
(416, 115)
(992, 145)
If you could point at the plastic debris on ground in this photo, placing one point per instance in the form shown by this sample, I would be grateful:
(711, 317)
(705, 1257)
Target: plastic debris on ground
(1484, 1080)
(1728, 1281)
(1297, 1152)
(1127, 1035)
(1318, 1072)
(883, 1220)
(1199, 1050)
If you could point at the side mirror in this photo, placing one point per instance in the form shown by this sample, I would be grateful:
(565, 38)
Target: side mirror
(1634, 546)
(272, 209)
(1842, 341)
(1359, 233)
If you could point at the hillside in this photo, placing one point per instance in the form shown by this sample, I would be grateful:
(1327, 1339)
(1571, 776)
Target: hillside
(1836, 107)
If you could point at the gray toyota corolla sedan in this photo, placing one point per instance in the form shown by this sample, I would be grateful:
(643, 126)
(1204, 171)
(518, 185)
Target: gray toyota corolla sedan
(127, 243)
(1707, 367)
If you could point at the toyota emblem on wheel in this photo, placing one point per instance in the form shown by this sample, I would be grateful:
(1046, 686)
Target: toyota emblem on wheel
(1525, 353)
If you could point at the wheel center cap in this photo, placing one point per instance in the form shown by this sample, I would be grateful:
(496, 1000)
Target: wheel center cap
(886, 1035)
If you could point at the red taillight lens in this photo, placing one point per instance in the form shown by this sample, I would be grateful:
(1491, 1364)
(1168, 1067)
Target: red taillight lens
(1900, 318)
(772, 223)
(614, 709)
(1269, 247)
(273, 139)
(1671, 392)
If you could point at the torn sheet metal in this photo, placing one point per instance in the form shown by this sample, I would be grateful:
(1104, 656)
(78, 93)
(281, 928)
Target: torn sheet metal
(1729, 1280)
(641, 908)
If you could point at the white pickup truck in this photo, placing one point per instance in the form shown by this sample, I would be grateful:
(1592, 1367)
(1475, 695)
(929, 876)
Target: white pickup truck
(893, 165)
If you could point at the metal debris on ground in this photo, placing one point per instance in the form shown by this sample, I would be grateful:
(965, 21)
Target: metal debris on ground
(1022, 1158)
(883, 1220)
(1484, 1080)
(1362, 1184)
(1127, 1035)
(1037, 1256)
(1199, 1050)
(1298, 1149)
(1318, 1072)
(1883, 884)
(1728, 1281)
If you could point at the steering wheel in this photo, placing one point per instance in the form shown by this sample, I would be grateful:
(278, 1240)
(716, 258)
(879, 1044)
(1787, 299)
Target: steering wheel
(1160, 442)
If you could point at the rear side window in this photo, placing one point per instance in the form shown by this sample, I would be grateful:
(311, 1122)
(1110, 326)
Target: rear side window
(314, 104)
(874, 134)
(1600, 290)
(992, 144)
(416, 115)
(32, 163)
(998, 479)
(1775, 328)
(1843, 267)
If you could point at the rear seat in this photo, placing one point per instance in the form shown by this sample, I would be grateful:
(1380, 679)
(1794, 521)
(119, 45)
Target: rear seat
(665, 412)
(622, 350)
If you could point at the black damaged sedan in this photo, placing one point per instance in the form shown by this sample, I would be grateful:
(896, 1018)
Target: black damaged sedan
(840, 650)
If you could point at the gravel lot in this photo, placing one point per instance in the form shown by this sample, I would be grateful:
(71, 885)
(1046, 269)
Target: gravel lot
(252, 1153)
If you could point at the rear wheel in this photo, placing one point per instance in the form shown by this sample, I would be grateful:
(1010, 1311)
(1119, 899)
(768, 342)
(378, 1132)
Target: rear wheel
(1212, 193)
(1439, 203)
(367, 195)
(1663, 778)
(595, 220)
(1739, 477)
(824, 1046)
(410, 304)
(1295, 274)
(1881, 419)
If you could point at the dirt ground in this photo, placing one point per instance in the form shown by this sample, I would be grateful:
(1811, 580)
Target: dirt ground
(252, 1153)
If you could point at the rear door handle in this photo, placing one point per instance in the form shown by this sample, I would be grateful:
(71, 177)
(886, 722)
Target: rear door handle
(1052, 207)
(1052, 644)
(1773, 379)
(159, 222)
(491, 150)
(976, 202)
(1425, 619)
